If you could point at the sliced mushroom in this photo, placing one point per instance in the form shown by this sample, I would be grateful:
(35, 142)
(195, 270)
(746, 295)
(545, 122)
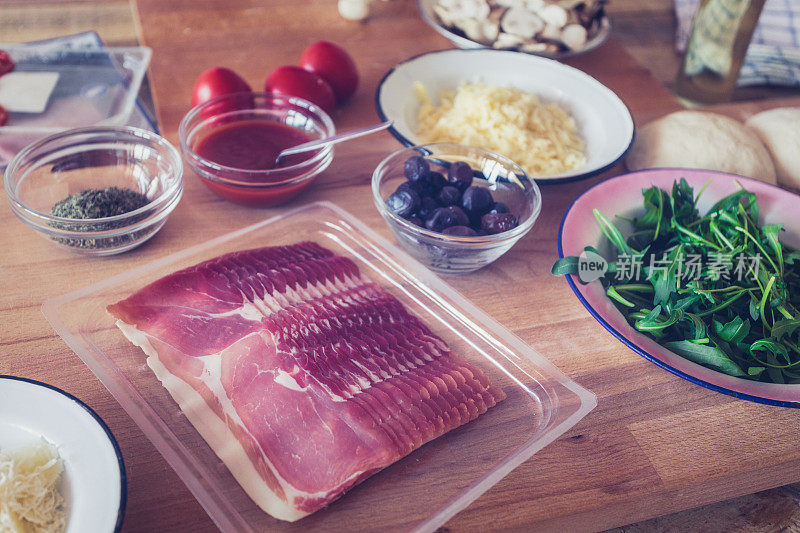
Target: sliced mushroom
(444, 14)
(476, 9)
(507, 40)
(554, 15)
(466, 15)
(520, 21)
(530, 25)
(496, 14)
(550, 32)
(573, 36)
(490, 30)
(535, 5)
(462, 9)
(471, 28)
(533, 46)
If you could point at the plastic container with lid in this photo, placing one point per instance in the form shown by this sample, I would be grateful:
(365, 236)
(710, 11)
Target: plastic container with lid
(95, 87)
(419, 492)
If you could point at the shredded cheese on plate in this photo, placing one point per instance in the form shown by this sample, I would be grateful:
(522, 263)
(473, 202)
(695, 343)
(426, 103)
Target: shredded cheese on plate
(542, 138)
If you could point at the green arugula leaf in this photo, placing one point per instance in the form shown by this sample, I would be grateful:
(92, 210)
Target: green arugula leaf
(745, 321)
(564, 266)
(706, 356)
(785, 327)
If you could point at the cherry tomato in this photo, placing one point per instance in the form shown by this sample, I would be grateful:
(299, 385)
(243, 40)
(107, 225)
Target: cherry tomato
(6, 63)
(330, 61)
(289, 80)
(215, 82)
(3, 116)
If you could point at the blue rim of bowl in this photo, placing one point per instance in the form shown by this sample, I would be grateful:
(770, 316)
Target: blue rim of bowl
(408, 143)
(123, 493)
(630, 343)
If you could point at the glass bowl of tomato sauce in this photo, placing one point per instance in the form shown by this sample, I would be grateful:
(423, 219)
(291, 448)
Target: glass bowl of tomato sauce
(232, 143)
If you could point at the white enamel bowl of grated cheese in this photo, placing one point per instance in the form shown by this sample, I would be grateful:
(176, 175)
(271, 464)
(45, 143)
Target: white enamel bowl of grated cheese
(92, 484)
(602, 120)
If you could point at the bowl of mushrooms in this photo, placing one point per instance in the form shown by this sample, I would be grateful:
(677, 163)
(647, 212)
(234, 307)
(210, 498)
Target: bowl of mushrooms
(549, 28)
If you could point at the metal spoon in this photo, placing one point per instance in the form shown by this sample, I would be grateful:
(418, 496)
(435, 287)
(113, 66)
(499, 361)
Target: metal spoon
(320, 143)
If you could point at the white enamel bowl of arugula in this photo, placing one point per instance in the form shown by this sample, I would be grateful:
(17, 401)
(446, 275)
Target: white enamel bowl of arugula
(622, 195)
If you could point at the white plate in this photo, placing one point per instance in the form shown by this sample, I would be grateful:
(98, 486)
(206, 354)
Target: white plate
(604, 121)
(93, 483)
(429, 16)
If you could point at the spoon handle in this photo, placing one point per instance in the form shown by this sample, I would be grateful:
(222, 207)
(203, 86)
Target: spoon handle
(344, 136)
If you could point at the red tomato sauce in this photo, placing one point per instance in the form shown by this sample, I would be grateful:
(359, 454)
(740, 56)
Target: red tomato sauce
(252, 145)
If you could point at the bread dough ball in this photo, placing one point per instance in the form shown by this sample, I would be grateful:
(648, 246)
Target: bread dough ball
(779, 129)
(695, 139)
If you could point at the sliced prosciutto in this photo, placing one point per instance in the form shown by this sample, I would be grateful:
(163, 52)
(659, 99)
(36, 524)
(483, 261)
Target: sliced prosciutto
(304, 377)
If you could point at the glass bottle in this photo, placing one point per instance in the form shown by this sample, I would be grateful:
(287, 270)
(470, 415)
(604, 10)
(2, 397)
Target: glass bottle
(721, 33)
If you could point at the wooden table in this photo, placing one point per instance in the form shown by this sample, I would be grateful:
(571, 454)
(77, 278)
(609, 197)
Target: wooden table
(654, 445)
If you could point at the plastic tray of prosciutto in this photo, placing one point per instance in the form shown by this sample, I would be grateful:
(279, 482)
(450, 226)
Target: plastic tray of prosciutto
(304, 373)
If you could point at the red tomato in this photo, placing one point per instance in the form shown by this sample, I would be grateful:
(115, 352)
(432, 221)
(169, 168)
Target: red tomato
(3, 116)
(289, 80)
(6, 63)
(330, 61)
(215, 82)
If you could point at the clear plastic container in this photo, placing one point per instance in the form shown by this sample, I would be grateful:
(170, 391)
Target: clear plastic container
(421, 491)
(96, 87)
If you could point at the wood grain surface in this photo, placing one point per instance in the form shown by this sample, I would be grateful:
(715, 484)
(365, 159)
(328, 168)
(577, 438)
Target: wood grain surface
(654, 445)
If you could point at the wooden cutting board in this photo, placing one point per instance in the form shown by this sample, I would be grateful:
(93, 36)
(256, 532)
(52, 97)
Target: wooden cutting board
(655, 444)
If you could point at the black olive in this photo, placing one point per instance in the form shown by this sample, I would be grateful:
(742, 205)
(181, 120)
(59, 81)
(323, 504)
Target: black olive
(460, 216)
(460, 231)
(442, 218)
(411, 185)
(498, 222)
(403, 203)
(417, 168)
(435, 183)
(426, 208)
(417, 221)
(499, 207)
(459, 175)
(477, 201)
(449, 195)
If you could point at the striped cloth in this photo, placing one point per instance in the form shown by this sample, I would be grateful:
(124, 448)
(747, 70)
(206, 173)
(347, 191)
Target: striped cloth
(773, 57)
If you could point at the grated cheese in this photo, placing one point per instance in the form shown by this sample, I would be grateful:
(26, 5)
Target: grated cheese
(29, 499)
(542, 138)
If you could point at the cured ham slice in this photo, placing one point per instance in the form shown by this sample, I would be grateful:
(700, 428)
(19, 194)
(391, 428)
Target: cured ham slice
(304, 377)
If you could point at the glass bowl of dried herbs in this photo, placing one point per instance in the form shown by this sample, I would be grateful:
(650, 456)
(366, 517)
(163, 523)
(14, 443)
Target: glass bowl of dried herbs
(96, 191)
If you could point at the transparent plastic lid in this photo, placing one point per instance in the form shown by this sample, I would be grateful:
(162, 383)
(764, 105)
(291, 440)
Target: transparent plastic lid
(419, 492)
(95, 86)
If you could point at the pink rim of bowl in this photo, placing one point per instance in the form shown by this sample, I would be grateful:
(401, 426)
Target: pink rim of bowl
(622, 195)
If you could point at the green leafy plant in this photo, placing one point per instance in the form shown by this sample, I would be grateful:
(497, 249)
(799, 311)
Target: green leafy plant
(737, 313)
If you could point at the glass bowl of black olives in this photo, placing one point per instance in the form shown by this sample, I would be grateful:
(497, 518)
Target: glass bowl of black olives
(455, 208)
